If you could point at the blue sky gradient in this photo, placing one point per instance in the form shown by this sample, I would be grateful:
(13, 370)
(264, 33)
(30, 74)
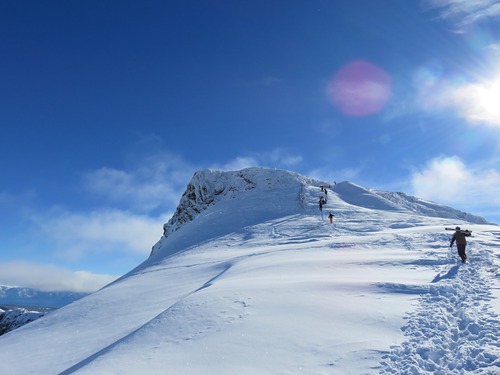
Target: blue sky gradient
(107, 108)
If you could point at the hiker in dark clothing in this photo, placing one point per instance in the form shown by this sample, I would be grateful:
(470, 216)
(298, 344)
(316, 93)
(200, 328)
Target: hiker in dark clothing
(459, 236)
(330, 217)
(322, 202)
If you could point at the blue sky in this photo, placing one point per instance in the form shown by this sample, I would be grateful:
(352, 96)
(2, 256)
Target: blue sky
(107, 108)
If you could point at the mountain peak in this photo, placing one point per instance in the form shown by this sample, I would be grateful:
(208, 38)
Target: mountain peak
(209, 187)
(217, 202)
(250, 194)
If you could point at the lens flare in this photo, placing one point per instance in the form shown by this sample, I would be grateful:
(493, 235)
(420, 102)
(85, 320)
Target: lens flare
(360, 89)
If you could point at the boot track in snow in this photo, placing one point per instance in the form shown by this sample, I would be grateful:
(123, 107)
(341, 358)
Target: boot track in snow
(454, 329)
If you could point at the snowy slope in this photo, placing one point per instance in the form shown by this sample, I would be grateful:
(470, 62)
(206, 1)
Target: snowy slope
(251, 278)
(384, 200)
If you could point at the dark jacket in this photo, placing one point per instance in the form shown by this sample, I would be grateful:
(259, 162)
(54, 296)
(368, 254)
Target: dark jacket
(459, 236)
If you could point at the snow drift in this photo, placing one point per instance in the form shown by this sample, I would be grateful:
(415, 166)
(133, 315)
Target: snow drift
(251, 278)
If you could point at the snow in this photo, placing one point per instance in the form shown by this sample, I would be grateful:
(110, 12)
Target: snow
(251, 278)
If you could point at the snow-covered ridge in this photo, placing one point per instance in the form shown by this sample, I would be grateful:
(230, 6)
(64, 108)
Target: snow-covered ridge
(398, 201)
(428, 208)
(281, 192)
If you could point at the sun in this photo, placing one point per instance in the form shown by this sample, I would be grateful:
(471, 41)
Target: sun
(489, 98)
(480, 102)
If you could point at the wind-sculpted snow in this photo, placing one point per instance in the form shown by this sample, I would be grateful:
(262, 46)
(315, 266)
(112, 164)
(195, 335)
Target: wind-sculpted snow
(258, 281)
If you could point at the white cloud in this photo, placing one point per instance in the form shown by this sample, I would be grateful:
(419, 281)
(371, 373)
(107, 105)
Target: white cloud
(465, 12)
(277, 158)
(12, 202)
(329, 175)
(281, 157)
(80, 235)
(239, 163)
(448, 180)
(48, 277)
(494, 48)
(154, 182)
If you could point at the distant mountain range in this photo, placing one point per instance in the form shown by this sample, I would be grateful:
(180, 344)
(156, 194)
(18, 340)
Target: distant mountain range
(19, 306)
(33, 298)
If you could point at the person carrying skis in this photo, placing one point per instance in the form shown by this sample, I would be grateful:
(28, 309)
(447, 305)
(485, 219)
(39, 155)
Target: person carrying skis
(459, 237)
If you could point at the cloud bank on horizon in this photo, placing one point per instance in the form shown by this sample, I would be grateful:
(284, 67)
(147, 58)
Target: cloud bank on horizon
(48, 277)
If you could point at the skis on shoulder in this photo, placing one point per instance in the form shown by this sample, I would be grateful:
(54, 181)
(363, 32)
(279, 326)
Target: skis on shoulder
(463, 231)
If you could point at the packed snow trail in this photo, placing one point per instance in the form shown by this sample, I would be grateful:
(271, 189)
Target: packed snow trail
(454, 329)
